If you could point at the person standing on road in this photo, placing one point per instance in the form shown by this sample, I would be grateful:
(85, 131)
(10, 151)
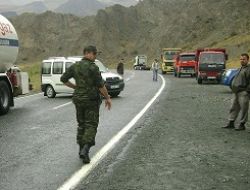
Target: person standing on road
(155, 68)
(120, 67)
(241, 92)
(89, 85)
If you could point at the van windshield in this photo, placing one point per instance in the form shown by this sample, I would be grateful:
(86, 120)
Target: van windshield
(102, 68)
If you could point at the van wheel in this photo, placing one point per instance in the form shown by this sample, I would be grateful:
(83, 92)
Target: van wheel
(50, 92)
(5, 96)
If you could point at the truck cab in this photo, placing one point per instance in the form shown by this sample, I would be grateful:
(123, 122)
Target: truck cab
(211, 64)
(168, 57)
(185, 64)
(141, 63)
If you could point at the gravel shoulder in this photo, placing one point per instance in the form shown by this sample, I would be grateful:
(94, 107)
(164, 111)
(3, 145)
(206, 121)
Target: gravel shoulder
(179, 144)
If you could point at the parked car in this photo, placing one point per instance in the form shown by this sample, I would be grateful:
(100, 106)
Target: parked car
(228, 76)
(53, 68)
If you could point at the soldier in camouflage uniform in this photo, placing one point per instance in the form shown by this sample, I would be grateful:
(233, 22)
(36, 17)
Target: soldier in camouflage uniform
(89, 85)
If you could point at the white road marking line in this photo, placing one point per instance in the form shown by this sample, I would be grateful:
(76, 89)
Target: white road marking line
(61, 106)
(86, 169)
(18, 98)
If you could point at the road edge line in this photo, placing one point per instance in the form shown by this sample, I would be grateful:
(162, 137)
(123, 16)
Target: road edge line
(76, 178)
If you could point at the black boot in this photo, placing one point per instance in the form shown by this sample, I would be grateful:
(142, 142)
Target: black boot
(84, 154)
(241, 127)
(80, 148)
(230, 125)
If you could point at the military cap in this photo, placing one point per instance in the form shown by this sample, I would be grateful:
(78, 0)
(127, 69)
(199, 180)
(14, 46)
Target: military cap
(90, 49)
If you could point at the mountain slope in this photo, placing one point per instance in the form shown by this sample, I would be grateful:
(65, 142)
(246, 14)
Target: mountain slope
(145, 28)
(34, 7)
(53, 4)
(126, 3)
(81, 7)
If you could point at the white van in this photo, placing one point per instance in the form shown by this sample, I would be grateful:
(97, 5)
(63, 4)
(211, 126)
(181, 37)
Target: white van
(53, 68)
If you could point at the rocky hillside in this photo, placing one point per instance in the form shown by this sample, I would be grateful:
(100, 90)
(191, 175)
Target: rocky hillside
(145, 28)
(36, 7)
(81, 7)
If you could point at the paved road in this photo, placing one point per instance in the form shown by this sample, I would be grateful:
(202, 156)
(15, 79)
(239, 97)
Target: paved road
(38, 149)
(179, 145)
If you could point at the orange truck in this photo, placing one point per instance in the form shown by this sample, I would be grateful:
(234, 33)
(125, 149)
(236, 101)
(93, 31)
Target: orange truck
(185, 64)
(211, 63)
(168, 57)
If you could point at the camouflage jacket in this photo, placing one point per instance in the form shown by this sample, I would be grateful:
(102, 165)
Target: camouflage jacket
(241, 81)
(88, 80)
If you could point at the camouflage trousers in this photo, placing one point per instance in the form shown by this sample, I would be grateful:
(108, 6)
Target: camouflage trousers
(87, 115)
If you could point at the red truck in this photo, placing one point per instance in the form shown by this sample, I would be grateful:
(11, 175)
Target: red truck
(211, 63)
(185, 64)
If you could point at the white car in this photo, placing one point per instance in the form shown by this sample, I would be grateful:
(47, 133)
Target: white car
(53, 68)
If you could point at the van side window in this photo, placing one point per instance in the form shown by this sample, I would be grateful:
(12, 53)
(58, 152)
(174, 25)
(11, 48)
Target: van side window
(69, 64)
(58, 68)
(46, 68)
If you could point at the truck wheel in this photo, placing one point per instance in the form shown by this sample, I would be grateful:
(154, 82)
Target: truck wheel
(199, 80)
(50, 92)
(114, 94)
(5, 96)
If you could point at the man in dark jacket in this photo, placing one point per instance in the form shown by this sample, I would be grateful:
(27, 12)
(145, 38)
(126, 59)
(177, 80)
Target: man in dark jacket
(241, 92)
(120, 67)
(89, 85)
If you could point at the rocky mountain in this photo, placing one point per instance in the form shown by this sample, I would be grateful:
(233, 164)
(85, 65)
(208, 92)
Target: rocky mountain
(76, 7)
(12, 10)
(34, 7)
(9, 14)
(53, 4)
(126, 3)
(145, 28)
(80, 7)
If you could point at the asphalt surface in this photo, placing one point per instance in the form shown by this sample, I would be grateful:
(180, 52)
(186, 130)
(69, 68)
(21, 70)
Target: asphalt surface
(38, 149)
(179, 145)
